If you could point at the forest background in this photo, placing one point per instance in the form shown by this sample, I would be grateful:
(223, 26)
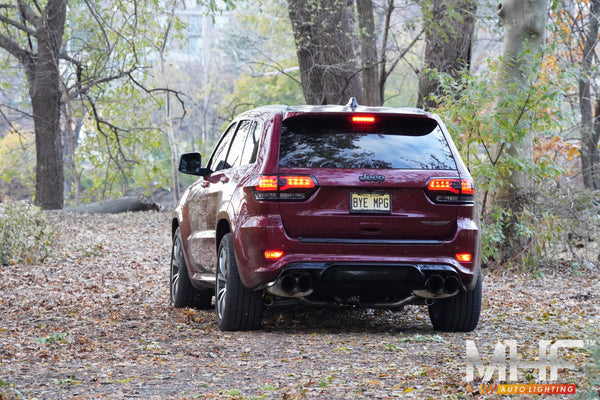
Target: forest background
(98, 98)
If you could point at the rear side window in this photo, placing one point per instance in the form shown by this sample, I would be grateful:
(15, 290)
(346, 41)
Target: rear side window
(388, 143)
(237, 146)
(217, 161)
(251, 147)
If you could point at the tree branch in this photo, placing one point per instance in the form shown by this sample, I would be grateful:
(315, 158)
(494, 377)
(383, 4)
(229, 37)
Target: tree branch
(150, 91)
(24, 56)
(17, 25)
(82, 89)
(115, 130)
(402, 54)
(28, 14)
(278, 70)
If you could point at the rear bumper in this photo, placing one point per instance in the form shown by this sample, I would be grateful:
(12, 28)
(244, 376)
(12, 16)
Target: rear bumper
(358, 260)
(365, 282)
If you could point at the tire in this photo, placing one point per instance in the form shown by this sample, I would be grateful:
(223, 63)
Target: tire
(182, 292)
(238, 308)
(459, 313)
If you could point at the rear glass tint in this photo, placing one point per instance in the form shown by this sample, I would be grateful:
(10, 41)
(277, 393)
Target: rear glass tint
(407, 143)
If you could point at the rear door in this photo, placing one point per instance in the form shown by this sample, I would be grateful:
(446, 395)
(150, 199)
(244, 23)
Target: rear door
(203, 203)
(371, 174)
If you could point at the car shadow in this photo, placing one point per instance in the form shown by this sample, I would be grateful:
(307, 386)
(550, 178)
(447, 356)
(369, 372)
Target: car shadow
(332, 319)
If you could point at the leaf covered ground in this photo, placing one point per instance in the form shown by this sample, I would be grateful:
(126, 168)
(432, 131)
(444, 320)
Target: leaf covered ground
(94, 322)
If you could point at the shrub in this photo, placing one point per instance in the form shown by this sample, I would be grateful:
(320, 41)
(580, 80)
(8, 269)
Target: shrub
(469, 105)
(590, 389)
(24, 234)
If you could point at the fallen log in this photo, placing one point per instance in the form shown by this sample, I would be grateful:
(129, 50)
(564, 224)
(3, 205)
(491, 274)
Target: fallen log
(115, 206)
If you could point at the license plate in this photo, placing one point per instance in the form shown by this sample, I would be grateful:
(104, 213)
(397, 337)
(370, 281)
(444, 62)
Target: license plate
(370, 203)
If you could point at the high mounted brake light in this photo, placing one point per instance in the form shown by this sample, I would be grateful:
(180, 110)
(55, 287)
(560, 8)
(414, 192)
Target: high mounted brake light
(284, 187)
(451, 190)
(363, 119)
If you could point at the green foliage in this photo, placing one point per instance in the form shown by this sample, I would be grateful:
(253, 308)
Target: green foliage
(259, 91)
(54, 338)
(120, 151)
(17, 161)
(121, 144)
(24, 234)
(261, 45)
(469, 106)
(8, 391)
(591, 389)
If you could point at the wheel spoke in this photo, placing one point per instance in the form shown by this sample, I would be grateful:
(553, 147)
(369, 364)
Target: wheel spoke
(221, 291)
(175, 269)
(174, 286)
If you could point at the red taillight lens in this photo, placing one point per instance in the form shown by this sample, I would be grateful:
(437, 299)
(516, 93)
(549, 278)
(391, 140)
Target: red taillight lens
(363, 119)
(464, 257)
(466, 186)
(284, 187)
(267, 183)
(273, 254)
(443, 185)
(296, 182)
(451, 190)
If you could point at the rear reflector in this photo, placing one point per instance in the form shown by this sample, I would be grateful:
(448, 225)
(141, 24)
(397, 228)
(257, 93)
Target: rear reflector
(464, 257)
(273, 254)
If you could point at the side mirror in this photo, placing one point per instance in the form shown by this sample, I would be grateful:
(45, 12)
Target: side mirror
(191, 164)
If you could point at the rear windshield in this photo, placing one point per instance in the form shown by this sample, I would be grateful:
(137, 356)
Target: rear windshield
(388, 144)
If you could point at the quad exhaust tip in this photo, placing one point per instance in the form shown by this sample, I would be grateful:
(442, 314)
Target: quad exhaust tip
(293, 285)
(437, 284)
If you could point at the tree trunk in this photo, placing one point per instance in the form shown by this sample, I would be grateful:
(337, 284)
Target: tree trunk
(449, 37)
(590, 126)
(44, 90)
(168, 113)
(368, 50)
(324, 35)
(72, 129)
(525, 23)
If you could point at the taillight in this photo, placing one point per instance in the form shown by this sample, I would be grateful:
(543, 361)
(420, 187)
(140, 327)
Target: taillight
(296, 182)
(284, 187)
(266, 183)
(451, 190)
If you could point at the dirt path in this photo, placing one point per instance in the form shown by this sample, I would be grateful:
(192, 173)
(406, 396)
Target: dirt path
(93, 323)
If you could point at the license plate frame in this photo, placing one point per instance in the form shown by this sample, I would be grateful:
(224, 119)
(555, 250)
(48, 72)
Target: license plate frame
(370, 203)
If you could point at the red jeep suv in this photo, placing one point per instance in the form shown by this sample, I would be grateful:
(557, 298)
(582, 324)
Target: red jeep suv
(344, 205)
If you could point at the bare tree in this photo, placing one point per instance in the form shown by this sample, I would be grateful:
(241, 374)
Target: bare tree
(450, 28)
(65, 65)
(34, 37)
(368, 51)
(590, 125)
(525, 34)
(325, 45)
(339, 57)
